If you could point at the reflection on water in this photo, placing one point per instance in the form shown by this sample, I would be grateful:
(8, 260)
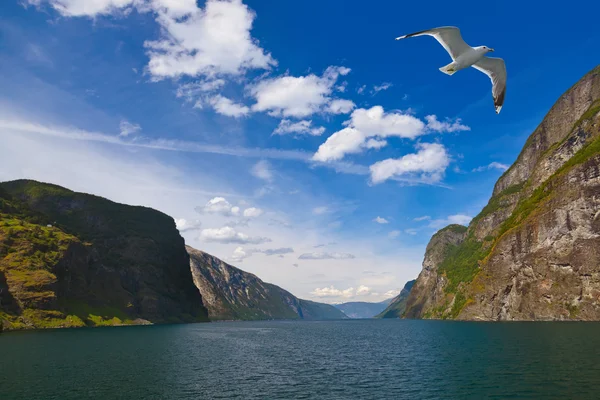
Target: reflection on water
(367, 359)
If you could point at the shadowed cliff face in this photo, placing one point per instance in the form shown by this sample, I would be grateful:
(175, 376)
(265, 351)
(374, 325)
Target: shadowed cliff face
(232, 294)
(397, 306)
(72, 259)
(533, 253)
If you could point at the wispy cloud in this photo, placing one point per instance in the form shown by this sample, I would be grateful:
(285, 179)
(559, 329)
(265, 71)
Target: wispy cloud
(492, 165)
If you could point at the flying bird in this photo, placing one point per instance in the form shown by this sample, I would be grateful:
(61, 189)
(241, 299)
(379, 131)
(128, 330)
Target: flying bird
(464, 56)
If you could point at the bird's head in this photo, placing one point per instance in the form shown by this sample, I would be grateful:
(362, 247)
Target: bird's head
(487, 49)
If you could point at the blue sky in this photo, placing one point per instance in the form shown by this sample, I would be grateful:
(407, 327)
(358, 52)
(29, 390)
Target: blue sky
(296, 140)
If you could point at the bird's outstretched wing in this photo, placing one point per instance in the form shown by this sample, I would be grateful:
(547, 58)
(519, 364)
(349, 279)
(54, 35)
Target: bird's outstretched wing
(496, 70)
(448, 36)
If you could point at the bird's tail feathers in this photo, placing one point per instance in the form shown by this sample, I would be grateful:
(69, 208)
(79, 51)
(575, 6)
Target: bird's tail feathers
(449, 69)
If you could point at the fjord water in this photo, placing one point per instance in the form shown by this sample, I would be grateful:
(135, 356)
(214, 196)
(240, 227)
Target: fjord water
(366, 359)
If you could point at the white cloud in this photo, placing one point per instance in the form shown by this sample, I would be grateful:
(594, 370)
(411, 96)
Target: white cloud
(383, 86)
(227, 234)
(423, 218)
(320, 210)
(325, 256)
(445, 126)
(253, 212)
(346, 141)
(127, 128)
(410, 231)
(492, 165)
(333, 292)
(426, 166)
(185, 226)
(303, 127)
(219, 205)
(394, 234)
(226, 106)
(191, 91)
(212, 41)
(381, 220)
(391, 293)
(361, 89)
(239, 254)
(367, 127)
(340, 106)
(459, 219)
(363, 290)
(209, 41)
(291, 96)
(263, 170)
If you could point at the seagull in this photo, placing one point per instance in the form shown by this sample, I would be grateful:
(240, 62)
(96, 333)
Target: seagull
(464, 56)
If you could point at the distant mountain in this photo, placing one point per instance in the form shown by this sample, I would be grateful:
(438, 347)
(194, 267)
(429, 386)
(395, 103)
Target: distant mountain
(362, 309)
(71, 259)
(397, 305)
(232, 294)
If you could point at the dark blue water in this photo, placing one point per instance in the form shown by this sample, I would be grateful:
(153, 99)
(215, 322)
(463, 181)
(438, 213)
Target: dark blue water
(369, 359)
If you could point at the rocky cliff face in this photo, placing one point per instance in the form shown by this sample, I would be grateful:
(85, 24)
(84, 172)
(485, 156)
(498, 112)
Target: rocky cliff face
(232, 294)
(72, 259)
(533, 253)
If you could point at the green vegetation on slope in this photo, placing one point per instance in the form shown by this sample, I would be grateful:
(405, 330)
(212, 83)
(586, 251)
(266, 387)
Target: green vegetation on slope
(70, 259)
(462, 263)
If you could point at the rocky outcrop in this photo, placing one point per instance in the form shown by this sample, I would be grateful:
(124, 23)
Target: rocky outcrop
(232, 294)
(533, 253)
(397, 305)
(73, 259)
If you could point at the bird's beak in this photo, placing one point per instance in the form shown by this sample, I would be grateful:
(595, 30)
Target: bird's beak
(491, 49)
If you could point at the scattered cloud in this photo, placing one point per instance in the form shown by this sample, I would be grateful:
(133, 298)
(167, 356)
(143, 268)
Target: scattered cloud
(225, 106)
(411, 231)
(378, 88)
(127, 128)
(185, 226)
(333, 292)
(445, 126)
(427, 165)
(291, 96)
(381, 220)
(423, 218)
(325, 256)
(367, 128)
(295, 265)
(228, 234)
(210, 41)
(263, 170)
(492, 165)
(239, 254)
(253, 212)
(391, 293)
(340, 106)
(361, 89)
(394, 234)
(363, 290)
(219, 205)
(303, 127)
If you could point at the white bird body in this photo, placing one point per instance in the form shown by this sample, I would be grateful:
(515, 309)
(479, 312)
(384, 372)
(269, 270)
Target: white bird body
(465, 56)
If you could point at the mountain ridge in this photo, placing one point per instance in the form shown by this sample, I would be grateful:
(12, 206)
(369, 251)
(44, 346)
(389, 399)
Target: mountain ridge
(230, 293)
(532, 252)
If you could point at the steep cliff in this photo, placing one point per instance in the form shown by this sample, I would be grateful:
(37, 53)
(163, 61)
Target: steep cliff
(232, 294)
(397, 305)
(73, 259)
(533, 253)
